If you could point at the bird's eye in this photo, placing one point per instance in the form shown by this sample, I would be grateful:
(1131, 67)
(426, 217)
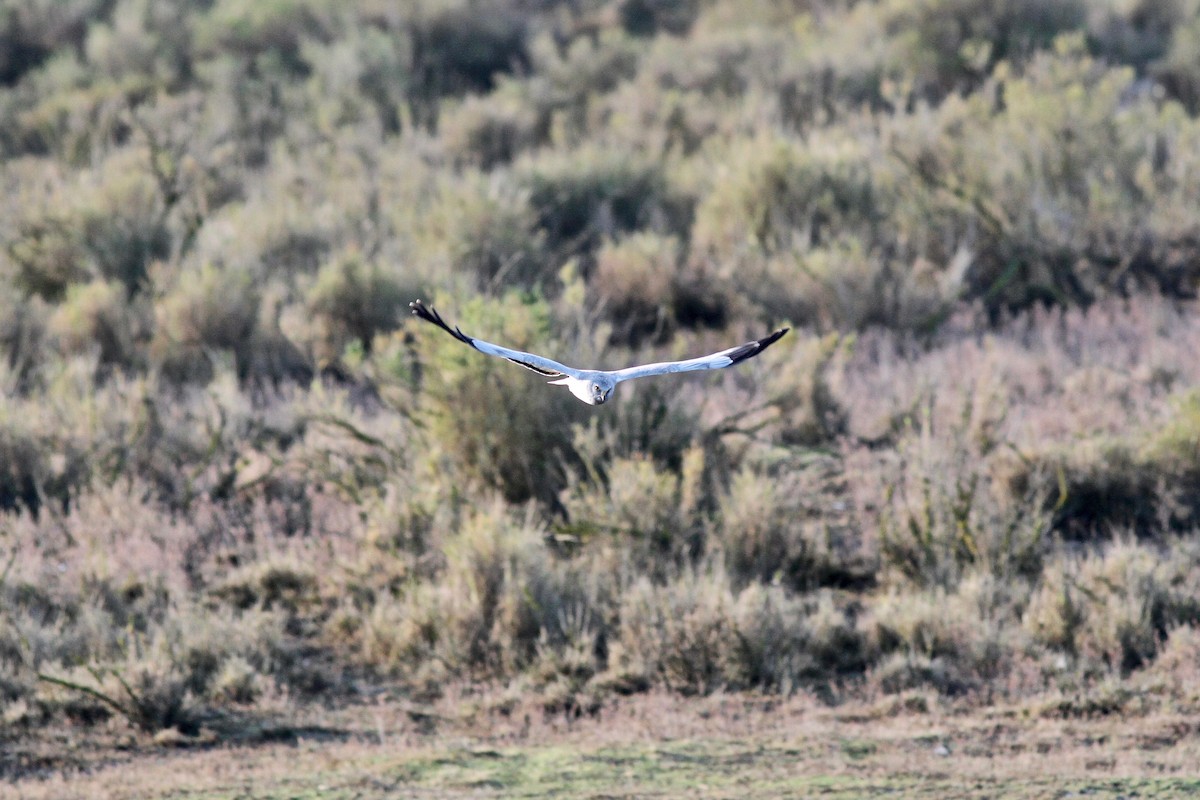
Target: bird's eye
(595, 387)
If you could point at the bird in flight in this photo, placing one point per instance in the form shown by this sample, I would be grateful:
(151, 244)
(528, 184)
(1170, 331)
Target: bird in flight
(593, 386)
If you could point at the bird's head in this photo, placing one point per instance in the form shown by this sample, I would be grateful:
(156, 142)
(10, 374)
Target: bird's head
(600, 393)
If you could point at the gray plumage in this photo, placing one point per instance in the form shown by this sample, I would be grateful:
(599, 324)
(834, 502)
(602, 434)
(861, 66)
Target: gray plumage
(595, 387)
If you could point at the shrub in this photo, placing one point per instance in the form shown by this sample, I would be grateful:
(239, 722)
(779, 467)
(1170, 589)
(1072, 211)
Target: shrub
(111, 225)
(584, 196)
(496, 426)
(953, 44)
(1136, 33)
(955, 642)
(1179, 68)
(209, 309)
(648, 17)
(46, 255)
(497, 603)
(637, 504)
(567, 81)
(1107, 216)
(1140, 481)
(696, 635)
(1132, 604)
(633, 284)
(350, 299)
(485, 228)
(163, 677)
(491, 130)
(942, 514)
(770, 533)
(23, 336)
(33, 31)
(461, 47)
(269, 584)
(677, 632)
(122, 221)
(42, 454)
(1116, 604)
(779, 194)
(278, 27)
(99, 315)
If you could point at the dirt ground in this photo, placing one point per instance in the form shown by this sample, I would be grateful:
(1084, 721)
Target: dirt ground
(646, 746)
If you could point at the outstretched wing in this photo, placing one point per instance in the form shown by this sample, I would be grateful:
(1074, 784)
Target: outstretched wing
(725, 358)
(540, 365)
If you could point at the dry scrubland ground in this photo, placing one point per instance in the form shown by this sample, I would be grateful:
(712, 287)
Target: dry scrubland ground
(243, 498)
(665, 746)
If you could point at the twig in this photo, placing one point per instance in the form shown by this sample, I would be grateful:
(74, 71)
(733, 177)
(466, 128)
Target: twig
(89, 691)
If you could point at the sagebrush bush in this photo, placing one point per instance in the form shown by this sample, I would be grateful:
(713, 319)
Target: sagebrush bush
(942, 514)
(634, 283)
(696, 634)
(952, 44)
(98, 315)
(775, 193)
(1179, 68)
(496, 426)
(769, 534)
(1141, 480)
(492, 129)
(497, 604)
(582, 197)
(486, 228)
(210, 309)
(353, 300)
(954, 642)
(635, 503)
(984, 160)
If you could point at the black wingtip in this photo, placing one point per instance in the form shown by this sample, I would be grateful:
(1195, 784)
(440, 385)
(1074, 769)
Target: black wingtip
(751, 349)
(422, 311)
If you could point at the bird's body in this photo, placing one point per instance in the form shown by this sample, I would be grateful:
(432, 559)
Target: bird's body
(595, 387)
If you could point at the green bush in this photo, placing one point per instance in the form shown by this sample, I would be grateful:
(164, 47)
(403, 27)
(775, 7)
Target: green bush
(486, 229)
(942, 516)
(1099, 159)
(648, 17)
(1179, 67)
(582, 197)
(1115, 605)
(1141, 481)
(783, 194)
(496, 425)
(492, 129)
(634, 283)
(277, 27)
(98, 315)
(954, 642)
(32, 32)
(111, 225)
(696, 635)
(459, 47)
(350, 299)
(952, 44)
(210, 309)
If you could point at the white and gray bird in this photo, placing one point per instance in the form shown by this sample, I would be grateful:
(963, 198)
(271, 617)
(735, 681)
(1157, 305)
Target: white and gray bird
(594, 386)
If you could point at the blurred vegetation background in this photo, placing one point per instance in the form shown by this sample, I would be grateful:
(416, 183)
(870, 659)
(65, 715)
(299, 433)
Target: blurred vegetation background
(235, 479)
